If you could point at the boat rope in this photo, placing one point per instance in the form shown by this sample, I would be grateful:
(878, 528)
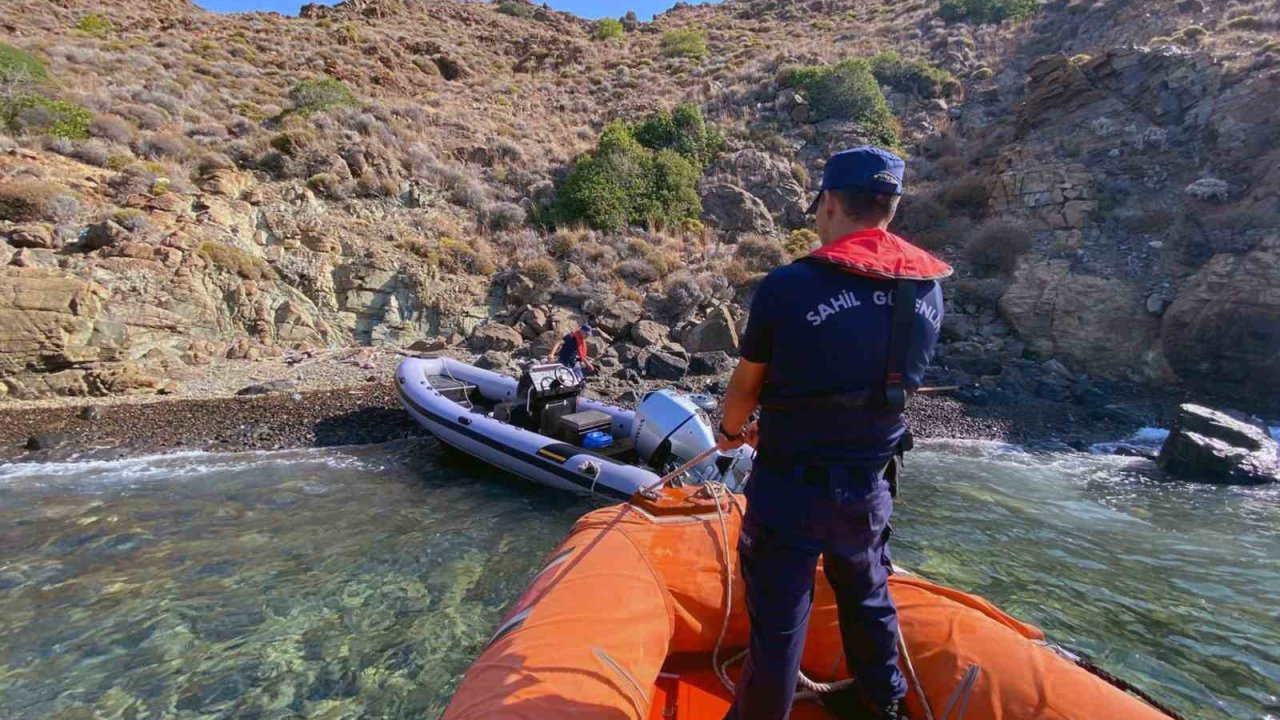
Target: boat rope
(1118, 681)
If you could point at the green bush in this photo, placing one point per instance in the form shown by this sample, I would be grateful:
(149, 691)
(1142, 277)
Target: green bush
(912, 76)
(847, 91)
(607, 29)
(40, 114)
(321, 93)
(684, 43)
(95, 25)
(683, 130)
(19, 67)
(800, 242)
(515, 8)
(623, 182)
(986, 12)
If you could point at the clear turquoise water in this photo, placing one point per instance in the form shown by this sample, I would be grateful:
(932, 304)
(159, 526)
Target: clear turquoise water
(359, 583)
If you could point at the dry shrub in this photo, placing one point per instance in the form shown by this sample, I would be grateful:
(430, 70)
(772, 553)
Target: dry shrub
(504, 216)
(111, 127)
(996, 246)
(980, 292)
(163, 146)
(564, 241)
(542, 272)
(637, 271)
(968, 195)
(29, 199)
(235, 260)
(760, 253)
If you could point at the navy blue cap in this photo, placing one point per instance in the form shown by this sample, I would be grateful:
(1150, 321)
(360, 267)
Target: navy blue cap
(587, 329)
(869, 169)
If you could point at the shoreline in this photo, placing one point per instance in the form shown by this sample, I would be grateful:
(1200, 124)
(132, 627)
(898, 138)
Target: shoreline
(322, 408)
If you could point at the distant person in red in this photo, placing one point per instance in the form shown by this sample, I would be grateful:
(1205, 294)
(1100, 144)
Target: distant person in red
(571, 351)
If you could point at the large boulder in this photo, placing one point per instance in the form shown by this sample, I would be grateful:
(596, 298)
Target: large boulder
(665, 366)
(733, 210)
(615, 318)
(47, 319)
(649, 332)
(1210, 446)
(717, 332)
(104, 234)
(495, 336)
(710, 363)
(33, 236)
(1222, 332)
(766, 177)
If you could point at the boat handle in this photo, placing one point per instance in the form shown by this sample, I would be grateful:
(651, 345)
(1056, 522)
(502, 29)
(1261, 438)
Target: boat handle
(464, 419)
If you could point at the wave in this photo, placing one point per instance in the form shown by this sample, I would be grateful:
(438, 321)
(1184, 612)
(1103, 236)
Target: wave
(194, 463)
(1145, 440)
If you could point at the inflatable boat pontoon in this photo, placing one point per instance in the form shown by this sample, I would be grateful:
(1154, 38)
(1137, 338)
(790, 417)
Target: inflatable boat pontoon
(541, 428)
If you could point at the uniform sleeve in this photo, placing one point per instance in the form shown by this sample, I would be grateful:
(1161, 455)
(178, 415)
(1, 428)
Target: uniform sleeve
(757, 341)
(928, 327)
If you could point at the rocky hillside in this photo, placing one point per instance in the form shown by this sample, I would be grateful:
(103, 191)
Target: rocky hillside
(178, 187)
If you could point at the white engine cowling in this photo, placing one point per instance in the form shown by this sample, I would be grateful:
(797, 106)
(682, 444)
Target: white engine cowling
(671, 430)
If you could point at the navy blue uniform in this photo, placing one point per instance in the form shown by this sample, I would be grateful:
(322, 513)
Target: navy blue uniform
(818, 486)
(568, 355)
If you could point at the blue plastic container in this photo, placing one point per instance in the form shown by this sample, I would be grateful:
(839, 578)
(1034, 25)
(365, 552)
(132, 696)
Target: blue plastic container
(597, 439)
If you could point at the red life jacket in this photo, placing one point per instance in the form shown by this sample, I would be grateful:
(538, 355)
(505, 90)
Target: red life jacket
(582, 344)
(881, 255)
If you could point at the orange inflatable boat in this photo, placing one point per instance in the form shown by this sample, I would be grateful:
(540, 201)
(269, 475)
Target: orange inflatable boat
(624, 619)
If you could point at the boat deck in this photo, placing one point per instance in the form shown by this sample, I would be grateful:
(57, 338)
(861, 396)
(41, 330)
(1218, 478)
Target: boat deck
(689, 690)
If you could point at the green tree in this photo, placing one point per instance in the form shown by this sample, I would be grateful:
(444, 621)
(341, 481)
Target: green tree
(607, 29)
(846, 91)
(626, 181)
(683, 130)
(688, 43)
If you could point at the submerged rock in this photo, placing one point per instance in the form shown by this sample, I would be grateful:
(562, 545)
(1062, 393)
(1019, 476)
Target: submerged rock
(1206, 445)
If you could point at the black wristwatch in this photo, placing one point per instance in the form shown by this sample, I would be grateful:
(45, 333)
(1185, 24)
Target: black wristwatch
(731, 437)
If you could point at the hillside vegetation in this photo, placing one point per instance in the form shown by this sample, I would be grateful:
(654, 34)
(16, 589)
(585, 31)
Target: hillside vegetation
(178, 186)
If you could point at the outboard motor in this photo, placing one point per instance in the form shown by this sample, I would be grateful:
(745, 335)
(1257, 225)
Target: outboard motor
(671, 430)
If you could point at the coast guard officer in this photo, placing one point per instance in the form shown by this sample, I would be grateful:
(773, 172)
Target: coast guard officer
(834, 344)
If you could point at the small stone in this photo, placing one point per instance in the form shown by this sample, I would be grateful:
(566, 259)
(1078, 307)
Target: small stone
(90, 412)
(268, 387)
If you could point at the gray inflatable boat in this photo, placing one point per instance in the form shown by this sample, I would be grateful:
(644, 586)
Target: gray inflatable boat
(540, 427)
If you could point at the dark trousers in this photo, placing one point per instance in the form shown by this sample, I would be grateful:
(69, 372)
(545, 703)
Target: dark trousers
(796, 514)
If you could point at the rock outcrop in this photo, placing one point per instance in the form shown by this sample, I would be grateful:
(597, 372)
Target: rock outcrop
(1223, 329)
(1210, 446)
(1098, 324)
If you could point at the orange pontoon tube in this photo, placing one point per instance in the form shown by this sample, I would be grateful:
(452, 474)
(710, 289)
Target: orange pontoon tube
(623, 620)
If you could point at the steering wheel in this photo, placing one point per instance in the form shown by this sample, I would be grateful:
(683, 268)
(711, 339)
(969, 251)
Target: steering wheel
(547, 382)
(565, 376)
